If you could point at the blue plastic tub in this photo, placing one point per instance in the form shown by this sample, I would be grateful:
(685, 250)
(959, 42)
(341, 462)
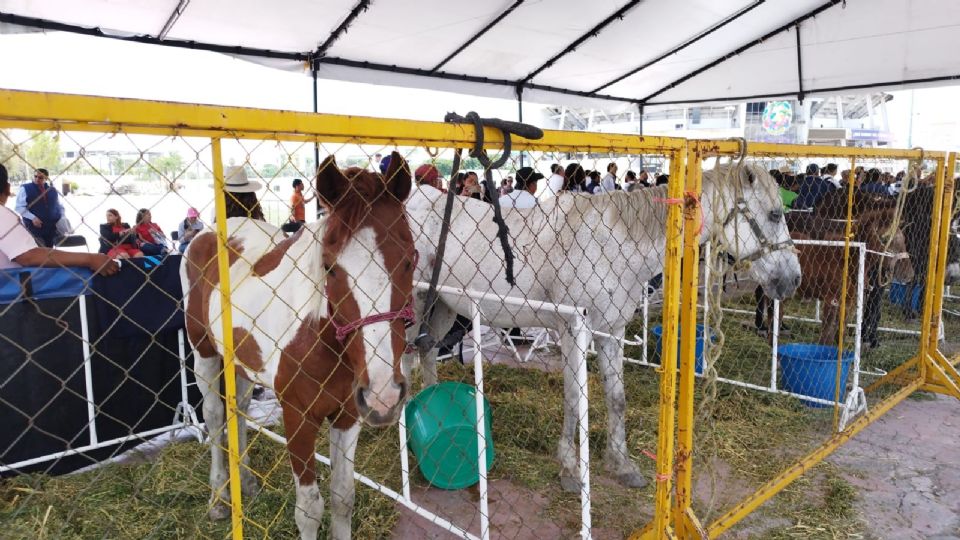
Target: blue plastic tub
(698, 353)
(898, 295)
(811, 370)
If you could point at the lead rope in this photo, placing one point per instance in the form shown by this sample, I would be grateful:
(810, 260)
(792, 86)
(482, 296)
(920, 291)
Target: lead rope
(910, 181)
(714, 337)
(425, 340)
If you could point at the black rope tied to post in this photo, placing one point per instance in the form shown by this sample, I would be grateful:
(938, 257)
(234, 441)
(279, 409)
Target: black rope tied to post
(424, 340)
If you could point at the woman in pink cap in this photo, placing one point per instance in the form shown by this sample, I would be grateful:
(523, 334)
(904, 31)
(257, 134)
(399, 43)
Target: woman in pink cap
(189, 228)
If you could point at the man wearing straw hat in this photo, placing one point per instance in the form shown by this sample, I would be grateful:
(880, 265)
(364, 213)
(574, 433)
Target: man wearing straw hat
(241, 194)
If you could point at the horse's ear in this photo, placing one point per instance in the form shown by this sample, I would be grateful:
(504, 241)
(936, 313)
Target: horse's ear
(331, 183)
(398, 177)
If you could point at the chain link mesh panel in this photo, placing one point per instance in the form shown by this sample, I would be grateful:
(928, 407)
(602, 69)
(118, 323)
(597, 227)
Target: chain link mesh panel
(768, 392)
(109, 432)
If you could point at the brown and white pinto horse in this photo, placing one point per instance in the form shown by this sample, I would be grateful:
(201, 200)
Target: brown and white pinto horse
(319, 317)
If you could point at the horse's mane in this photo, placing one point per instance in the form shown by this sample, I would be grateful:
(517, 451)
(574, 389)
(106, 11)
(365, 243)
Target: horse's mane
(639, 212)
(643, 212)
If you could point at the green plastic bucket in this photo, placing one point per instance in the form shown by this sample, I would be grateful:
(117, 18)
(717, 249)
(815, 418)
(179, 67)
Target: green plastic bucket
(442, 421)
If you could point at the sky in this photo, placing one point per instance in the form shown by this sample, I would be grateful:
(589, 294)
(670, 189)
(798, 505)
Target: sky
(59, 62)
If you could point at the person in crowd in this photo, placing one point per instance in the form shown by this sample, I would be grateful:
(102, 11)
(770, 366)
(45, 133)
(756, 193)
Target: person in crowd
(630, 182)
(298, 204)
(662, 180)
(593, 186)
(506, 185)
(428, 175)
(556, 182)
(39, 204)
(117, 239)
(384, 164)
(526, 188)
(150, 235)
(873, 183)
(811, 188)
(608, 183)
(19, 248)
(574, 178)
(643, 180)
(241, 194)
(830, 175)
(189, 228)
(376, 161)
(473, 189)
(843, 177)
(786, 195)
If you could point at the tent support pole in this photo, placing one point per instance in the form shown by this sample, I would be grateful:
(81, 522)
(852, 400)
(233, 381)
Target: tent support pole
(316, 109)
(520, 113)
(640, 131)
(800, 95)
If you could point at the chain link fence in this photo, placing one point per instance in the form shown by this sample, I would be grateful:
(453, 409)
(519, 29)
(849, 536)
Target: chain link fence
(519, 403)
(781, 382)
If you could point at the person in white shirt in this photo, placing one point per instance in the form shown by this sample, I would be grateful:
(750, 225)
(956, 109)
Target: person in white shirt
(830, 175)
(19, 248)
(526, 186)
(609, 182)
(554, 183)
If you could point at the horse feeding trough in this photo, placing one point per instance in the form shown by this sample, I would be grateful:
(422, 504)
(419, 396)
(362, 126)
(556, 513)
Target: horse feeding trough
(811, 370)
(442, 421)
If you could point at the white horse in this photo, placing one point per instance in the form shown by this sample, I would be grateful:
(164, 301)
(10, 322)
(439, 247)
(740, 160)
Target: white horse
(595, 252)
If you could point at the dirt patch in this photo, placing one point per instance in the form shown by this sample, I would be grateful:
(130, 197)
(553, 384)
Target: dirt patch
(515, 512)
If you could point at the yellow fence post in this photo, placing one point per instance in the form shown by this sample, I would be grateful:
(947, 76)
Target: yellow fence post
(847, 236)
(943, 246)
(932, 258)
(692, 227)
(668, 358)
(229, 370)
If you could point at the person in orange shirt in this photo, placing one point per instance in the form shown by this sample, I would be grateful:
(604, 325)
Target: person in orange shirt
(298, 204)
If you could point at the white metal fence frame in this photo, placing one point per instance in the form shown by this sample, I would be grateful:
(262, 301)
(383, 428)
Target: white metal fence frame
(576, 321)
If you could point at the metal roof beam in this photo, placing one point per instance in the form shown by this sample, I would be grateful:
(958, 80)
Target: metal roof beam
(817, 91)
(476, 36)
(742, 48)
(593, 32)
(340, 30)
(172, 20)
(330, 60)
(45, 24)
(683, 45)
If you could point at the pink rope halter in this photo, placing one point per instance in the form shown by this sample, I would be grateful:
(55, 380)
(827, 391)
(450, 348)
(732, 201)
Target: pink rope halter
(406, 313)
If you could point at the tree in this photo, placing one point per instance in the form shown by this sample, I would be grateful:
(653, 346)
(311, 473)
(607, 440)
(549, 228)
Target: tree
(169, 165)
(10, 158)
(44, 152)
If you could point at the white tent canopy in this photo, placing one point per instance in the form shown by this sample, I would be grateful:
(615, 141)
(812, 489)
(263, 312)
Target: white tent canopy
(648, 52)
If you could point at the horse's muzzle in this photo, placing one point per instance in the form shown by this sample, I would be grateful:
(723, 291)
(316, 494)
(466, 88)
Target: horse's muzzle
(784, 286)
(375, 418)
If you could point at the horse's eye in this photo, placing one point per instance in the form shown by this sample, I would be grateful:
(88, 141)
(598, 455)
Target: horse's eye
(776, 216)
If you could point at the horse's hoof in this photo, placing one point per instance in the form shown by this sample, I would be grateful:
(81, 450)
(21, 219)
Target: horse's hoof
(632, 479)
(219, 511)
(570, 483)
